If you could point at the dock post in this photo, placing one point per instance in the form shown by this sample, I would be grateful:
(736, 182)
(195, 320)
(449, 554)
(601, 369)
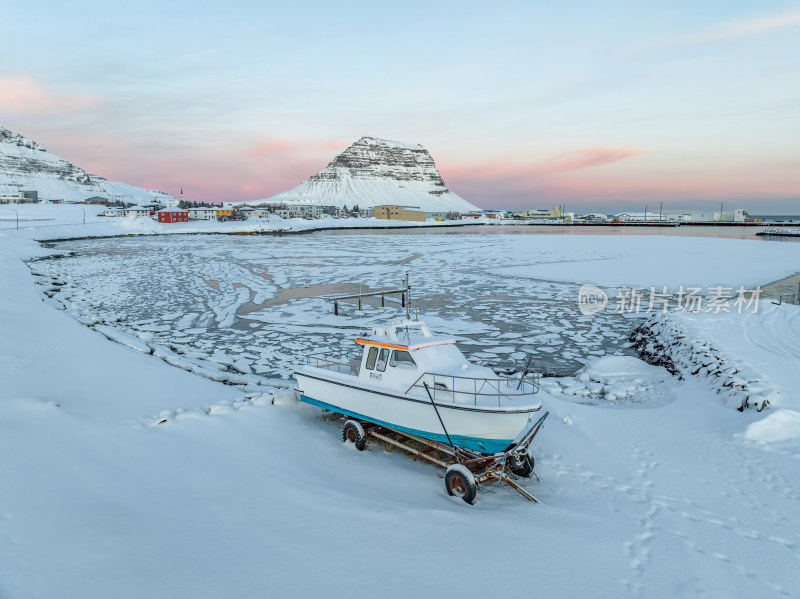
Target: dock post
(383, 305)
(336, 307)
(403, 299)
(359, 303)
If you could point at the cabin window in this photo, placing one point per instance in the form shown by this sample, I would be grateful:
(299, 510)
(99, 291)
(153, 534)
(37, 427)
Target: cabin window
(382, 359)
(402, 359)
(371, 357)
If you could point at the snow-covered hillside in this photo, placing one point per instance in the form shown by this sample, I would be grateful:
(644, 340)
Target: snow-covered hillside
(376, 171)
(24, 165)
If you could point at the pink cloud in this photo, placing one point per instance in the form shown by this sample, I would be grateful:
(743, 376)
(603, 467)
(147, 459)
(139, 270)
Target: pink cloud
(582, 158)
(571, 178)
(274, 146)
(22, 94)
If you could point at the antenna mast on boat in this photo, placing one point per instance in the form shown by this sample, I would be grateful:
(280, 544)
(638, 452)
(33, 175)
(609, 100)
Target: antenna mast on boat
(408, 296)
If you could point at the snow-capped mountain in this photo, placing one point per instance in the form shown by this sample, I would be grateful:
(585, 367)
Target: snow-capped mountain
(24, 165)
(376, 171)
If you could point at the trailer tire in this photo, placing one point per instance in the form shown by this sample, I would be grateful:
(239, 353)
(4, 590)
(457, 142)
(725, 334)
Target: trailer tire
(460, 482)
(521, 464)
(354, 432)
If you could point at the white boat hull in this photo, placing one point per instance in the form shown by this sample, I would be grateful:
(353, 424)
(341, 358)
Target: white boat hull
(480, 428)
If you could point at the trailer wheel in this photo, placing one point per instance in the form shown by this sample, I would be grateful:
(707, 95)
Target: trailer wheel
(460, 482)
(354, 432)
(521, 464)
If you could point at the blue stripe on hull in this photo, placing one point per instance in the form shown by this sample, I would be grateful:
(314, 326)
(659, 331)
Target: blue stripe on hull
(474, 443)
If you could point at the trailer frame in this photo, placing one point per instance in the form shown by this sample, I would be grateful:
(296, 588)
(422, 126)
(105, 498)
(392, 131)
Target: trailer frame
(485, 468)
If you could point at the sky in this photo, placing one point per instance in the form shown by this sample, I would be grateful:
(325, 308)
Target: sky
(595, 105)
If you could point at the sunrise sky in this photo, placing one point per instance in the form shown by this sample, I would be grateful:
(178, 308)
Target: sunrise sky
(601, 105)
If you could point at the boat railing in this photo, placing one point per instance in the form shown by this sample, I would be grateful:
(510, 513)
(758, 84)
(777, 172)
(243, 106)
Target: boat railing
(462, 389)
(343, 361)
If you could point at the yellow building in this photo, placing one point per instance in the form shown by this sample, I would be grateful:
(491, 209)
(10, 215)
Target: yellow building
(392, 212)
(224, 212)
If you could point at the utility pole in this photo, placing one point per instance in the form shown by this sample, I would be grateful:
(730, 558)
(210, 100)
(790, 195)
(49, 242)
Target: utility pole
(720, 211)
(645, 213)
(660, 210)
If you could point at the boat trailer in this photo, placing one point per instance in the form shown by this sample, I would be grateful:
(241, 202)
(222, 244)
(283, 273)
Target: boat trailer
(466, 471)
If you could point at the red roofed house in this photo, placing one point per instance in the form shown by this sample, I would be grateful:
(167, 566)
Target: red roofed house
(173, 215)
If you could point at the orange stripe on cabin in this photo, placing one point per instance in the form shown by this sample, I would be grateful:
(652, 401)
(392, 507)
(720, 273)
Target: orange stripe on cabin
(404, 347)
(365, 342)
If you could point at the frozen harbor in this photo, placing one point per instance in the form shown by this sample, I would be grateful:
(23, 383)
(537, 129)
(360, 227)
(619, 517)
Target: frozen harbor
(259, 304)
(245, 310)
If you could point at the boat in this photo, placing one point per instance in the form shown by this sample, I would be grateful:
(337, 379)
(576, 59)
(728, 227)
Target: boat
(409, 380)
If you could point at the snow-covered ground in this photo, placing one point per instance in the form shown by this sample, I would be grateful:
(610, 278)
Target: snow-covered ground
(125, 476)
(66, 221)
(750, 359)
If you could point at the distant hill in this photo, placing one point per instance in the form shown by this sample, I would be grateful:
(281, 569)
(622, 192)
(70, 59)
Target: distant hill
(24, 165)
(375, 171)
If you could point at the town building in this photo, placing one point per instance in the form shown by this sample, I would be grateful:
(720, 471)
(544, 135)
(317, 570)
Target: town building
(594, 217)
(173, 215)
(640, 217)
(113, 212)
(554, 213)
(202, 213)
(12, 198)
(20, 197)
(394, 212)
(366, 212)
(135, 211)
(300, 211)
(680, 218)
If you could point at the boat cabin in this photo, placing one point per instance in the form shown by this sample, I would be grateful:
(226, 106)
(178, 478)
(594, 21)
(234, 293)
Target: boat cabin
(407, 359)
(400, 354)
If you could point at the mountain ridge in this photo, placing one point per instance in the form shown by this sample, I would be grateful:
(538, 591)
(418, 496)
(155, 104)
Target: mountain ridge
(374, 171)
(25, 165)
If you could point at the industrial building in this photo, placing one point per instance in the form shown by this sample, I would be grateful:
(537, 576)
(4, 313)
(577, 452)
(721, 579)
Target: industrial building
(394, 212)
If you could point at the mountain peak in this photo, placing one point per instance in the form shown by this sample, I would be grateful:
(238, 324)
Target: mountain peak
(9, 137)
(387, 143)
(374, 171)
